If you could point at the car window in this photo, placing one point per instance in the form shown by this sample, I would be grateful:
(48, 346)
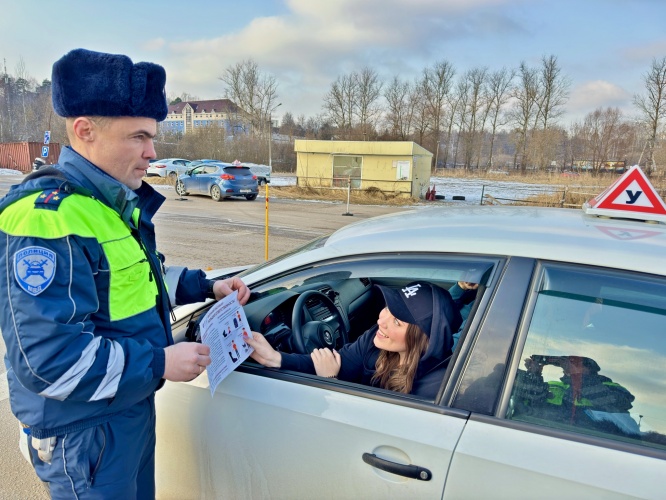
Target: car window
(240, 171)
(351, 283)
(593, 356)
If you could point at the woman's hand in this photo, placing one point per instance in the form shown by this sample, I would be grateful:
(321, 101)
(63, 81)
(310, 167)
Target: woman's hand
(326, 362)
(263, 353)
(466, 285)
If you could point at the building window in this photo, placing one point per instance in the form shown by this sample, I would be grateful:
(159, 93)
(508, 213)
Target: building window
(347, 168)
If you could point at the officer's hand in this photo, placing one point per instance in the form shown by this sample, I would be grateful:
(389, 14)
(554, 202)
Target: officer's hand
(185, 361)
(222, 288)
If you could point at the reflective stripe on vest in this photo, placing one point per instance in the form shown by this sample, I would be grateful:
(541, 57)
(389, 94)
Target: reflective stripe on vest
(132, 290)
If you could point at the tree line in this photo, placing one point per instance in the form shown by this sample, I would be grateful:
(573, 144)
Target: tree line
(477, 118)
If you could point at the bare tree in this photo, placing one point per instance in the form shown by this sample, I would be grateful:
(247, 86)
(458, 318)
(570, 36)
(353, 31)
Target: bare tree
(474, 101)
(421, 115)
(599, 132)
(436, 84)
(253, 91)
(498, 89)
(652, 105)
(460, 117)
(399, 109)
(525, 94)
(340, 103)
(369, 90)
(554, 92)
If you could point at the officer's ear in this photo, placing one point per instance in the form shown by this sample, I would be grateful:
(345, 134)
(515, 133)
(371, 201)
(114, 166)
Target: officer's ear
(83, 129)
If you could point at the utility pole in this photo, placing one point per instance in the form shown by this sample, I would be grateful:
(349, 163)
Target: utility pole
(270, 169)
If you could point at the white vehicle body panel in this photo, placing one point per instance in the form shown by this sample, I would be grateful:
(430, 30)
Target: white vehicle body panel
(310, 448)
(518, 464)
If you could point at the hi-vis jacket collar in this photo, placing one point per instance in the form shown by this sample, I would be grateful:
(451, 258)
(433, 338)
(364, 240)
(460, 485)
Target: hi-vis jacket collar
(632, 196)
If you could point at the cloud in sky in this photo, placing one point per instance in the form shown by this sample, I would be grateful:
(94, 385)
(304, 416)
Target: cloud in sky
(307, 44)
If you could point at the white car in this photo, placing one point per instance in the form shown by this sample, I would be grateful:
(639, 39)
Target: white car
(263, 172)
(581, 297)
(170, 168)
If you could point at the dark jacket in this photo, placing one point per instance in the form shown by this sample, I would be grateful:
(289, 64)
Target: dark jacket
(85, 315)
(359, 358)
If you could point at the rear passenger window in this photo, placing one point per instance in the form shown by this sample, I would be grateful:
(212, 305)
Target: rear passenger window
(594, 356)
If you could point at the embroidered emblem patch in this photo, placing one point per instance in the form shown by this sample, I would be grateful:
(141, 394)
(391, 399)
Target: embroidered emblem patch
(34, 269)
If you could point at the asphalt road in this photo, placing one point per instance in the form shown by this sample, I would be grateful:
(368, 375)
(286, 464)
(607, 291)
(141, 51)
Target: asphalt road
(199, 233)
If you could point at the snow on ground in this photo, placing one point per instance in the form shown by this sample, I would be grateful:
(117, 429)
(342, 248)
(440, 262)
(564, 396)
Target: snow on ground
(8, 171)
(471, 189)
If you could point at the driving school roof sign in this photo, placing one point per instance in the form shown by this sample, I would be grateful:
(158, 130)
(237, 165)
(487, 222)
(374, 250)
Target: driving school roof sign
(632, 196)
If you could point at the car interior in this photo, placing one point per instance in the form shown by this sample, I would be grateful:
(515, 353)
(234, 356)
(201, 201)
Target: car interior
(330, 308)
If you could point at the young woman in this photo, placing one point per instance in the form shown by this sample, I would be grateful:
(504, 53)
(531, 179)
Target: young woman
(406, 351)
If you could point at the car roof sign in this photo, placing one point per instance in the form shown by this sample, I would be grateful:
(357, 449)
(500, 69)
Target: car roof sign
(631, 196)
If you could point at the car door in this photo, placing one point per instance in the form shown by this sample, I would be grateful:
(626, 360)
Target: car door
(207, 177)
(582, 411)
(193, 181)
(275, 434)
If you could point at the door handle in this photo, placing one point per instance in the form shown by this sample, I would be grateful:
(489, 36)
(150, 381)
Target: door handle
(411, 471)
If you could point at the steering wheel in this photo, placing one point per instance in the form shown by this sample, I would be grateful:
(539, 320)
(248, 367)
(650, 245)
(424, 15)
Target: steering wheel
(310, 335)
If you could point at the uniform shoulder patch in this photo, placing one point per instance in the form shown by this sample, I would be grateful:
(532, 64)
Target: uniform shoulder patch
(50, 199)
(34, 269)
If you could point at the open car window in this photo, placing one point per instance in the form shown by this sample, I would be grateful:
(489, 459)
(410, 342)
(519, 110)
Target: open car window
(350, 284)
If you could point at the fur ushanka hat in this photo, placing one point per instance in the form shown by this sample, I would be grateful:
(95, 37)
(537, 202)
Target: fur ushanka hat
(87, 83)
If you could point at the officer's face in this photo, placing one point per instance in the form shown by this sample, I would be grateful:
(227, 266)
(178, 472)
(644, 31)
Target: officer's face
(123, 147)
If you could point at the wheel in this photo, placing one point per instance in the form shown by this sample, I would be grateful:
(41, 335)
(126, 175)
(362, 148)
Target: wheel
(251, 197)
(215, 192)
(306, 337)
(172, 177)
(261, 182)
(180, 188)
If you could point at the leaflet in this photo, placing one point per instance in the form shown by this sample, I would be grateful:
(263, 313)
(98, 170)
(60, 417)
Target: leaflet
(223, 329)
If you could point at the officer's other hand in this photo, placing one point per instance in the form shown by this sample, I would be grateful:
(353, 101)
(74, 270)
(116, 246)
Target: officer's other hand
(222, 288)
(185, 361)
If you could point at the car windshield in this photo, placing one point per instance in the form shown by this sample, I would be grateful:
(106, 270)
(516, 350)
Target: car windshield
(311, 245)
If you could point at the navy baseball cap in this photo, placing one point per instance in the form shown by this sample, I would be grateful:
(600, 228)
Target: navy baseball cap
(412, 303)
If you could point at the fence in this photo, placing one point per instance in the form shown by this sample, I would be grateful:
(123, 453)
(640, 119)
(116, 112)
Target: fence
(402, 188)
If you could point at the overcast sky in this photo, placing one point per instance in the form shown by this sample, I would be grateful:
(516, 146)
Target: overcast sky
(604, 47)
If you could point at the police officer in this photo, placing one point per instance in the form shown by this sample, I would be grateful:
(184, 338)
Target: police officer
(85, 308)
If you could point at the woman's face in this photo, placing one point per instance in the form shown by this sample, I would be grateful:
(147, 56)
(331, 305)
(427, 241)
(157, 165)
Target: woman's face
(392, 333)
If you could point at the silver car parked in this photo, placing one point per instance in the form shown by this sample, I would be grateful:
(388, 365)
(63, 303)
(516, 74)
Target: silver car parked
(169, 168)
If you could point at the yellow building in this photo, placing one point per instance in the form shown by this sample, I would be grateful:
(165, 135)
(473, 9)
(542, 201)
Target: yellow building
(393, 167)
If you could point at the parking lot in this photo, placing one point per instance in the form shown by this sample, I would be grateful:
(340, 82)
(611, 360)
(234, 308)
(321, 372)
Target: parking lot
(198, 232)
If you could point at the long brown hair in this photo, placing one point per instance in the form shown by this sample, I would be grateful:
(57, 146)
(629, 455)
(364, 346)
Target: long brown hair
(400, 377)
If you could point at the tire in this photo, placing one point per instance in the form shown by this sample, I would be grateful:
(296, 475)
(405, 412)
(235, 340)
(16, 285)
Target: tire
(458, 198)
(215, 192)
(250, 197)
(261, 182)
(180, 188)
(172, 177)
